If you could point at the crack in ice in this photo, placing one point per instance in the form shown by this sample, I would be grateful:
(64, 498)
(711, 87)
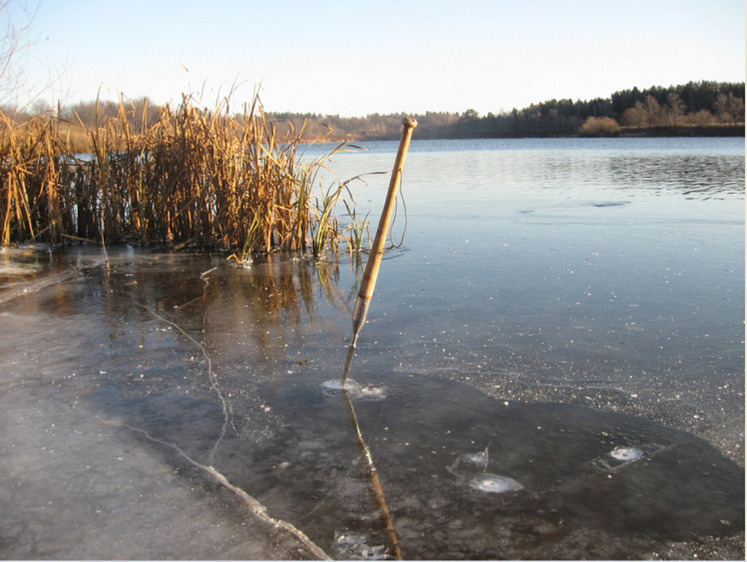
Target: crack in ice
(255, 506)
(211, 377)
(225, 405)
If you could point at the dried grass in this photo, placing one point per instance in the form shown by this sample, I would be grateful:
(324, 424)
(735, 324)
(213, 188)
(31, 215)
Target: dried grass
(197, 176)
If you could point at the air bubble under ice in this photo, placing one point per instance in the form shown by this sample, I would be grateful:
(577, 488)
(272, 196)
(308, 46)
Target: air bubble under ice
(355, 390)
(626, 453)
(354, 546)
(495, 484)
(623, 456)
(470, 462)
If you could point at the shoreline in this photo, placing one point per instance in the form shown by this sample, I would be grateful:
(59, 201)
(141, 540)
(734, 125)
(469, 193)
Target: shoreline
(624, 132)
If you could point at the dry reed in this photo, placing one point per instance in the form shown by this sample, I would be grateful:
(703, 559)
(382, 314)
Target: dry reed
(197, 177)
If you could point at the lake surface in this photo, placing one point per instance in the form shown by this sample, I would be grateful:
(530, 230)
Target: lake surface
(553, 367)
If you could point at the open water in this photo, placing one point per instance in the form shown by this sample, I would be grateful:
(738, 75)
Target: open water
(553, 367)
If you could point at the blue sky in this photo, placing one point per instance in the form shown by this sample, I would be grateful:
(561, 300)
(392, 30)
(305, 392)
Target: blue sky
(353, 57)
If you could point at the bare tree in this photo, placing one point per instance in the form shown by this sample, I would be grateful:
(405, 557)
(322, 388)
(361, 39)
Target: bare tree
(16, 18)
(655, 114)
(730, 109)
(701, 118)
(635, 116)
(675, 109)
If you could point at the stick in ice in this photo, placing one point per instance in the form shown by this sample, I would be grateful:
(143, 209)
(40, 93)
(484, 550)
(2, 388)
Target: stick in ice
(377, 250)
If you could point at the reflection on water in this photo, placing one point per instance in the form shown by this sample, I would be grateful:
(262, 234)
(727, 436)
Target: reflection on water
(374, 482)
(553, 368)
(508, 169)
(697, 177)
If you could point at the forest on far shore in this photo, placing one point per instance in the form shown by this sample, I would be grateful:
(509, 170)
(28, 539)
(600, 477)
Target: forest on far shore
(695, 108)
(704, 108)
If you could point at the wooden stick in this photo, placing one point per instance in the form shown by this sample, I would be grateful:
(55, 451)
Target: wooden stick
(373, 480)
(365, 294)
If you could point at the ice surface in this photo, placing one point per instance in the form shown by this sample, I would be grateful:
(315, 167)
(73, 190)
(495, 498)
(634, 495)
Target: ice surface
(494, 484)
(352, 546)
(469, 462)
(354, 389)
(154, 410)
(95, 465)
(624, 456)
(472, 467)
(136, 424)
(427, 457)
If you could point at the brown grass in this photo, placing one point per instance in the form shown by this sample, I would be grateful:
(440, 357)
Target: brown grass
(196, 176)
(599, 126)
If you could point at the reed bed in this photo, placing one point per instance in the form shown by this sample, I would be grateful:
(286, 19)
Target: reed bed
(196, 176)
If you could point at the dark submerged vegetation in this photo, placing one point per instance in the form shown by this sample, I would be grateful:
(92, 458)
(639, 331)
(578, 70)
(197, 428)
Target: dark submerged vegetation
(194, 176)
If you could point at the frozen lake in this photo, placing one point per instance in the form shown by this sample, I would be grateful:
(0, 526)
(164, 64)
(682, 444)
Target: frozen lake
(553, 367)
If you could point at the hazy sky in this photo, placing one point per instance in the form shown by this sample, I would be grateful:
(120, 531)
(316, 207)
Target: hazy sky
(356, 57)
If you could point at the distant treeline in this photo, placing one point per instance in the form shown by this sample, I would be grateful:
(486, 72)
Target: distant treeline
(704, 107)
